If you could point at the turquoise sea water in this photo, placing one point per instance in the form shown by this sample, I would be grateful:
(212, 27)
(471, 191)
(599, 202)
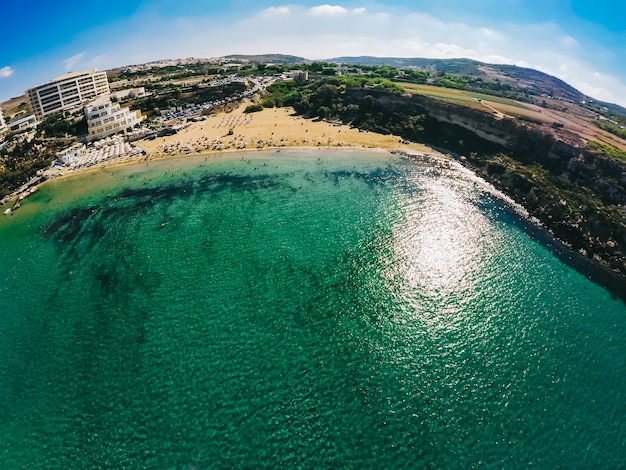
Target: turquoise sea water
(302, 309)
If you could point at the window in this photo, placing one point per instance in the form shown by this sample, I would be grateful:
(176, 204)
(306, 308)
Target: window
(50, 99)
(48, 91)
(51, 107)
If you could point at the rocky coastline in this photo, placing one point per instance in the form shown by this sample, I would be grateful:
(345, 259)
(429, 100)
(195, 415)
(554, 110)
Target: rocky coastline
(577, 194)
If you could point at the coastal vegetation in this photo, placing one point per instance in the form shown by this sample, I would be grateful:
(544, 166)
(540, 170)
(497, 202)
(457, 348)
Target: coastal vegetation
(166, 95)
(607, 149)
(21, 158)
(616, 126)
(58, 126)
(254, 108)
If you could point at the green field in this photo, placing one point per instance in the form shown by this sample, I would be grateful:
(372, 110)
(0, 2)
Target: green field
(467, 98)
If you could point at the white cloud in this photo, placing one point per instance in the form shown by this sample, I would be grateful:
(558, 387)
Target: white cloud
(277, 11)
(450, 51)
(100, 61)
(603, 87)
(489, 33)
(569, 41)
(328, 10)
(6, 72)
(70, 62)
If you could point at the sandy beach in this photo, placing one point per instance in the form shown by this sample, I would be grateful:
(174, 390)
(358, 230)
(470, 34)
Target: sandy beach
(270, 128)
(237, 131)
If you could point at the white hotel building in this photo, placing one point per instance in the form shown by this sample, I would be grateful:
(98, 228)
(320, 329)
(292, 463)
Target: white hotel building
(105, 118)
(3, 125)
(67, 92)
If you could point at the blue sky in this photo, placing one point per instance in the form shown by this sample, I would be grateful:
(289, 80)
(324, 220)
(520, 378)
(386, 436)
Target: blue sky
(579, 41)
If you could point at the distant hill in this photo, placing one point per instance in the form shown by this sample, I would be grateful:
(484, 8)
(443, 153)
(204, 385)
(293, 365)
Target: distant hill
(525, 80)
(530, 81)
(268, 59)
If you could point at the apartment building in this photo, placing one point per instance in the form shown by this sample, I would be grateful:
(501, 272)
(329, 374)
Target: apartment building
(3, 125)
(105, 118)
(23, 123)
(67, 92)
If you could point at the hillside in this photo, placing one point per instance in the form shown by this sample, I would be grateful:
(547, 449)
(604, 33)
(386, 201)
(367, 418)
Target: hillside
(524, 80)
(268, 59)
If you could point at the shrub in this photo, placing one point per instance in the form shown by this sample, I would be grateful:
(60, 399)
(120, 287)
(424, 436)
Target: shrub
(253, 108)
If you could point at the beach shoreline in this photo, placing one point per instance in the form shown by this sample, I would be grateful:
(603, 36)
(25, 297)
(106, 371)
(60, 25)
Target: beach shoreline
(272, 128)
(234, 132)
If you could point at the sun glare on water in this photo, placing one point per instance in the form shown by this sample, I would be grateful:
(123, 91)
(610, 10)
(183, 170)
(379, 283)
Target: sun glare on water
(439, 248)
